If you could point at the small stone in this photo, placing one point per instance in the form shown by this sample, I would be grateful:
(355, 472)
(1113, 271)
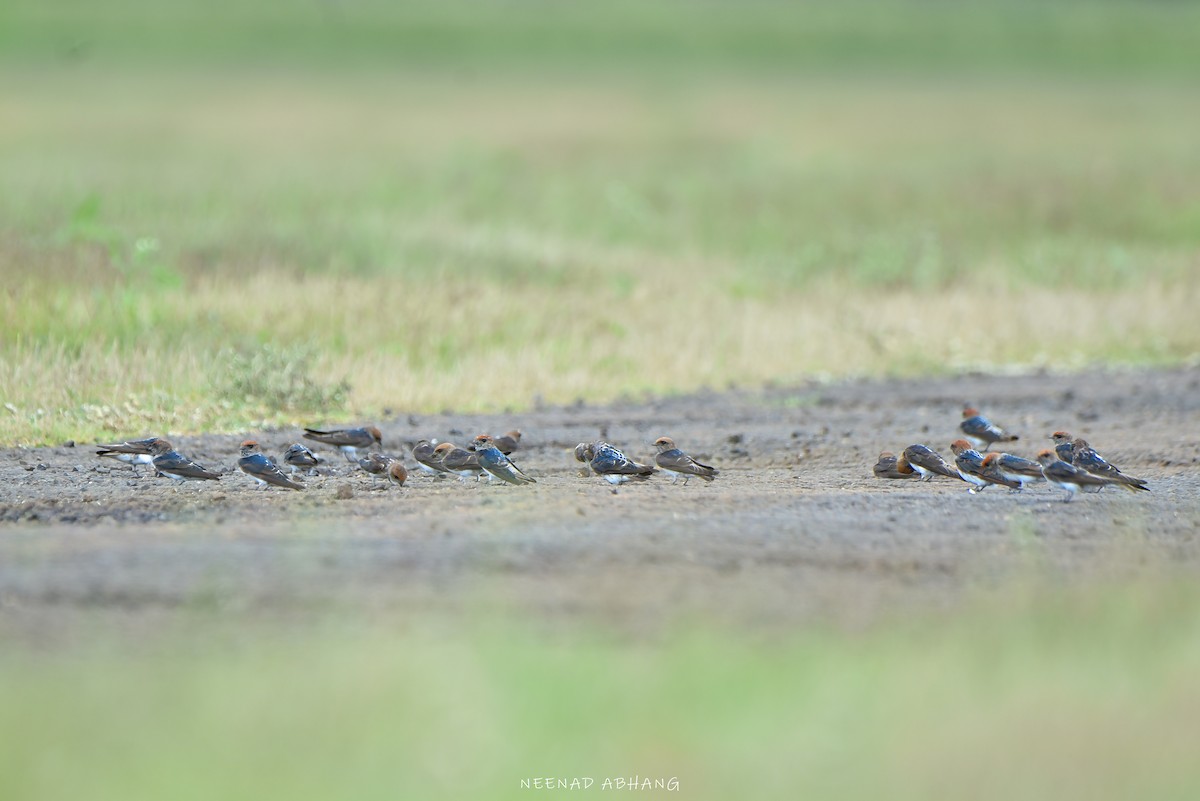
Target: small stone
(43, 466)
(344, 492)
(69, 443)
(78, 468)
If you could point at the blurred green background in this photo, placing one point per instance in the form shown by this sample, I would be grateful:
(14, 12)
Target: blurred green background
(1087, 694)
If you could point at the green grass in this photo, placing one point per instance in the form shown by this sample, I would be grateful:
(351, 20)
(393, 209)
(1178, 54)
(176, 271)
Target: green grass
(577, 201)
(1088, 694)
(670, 36)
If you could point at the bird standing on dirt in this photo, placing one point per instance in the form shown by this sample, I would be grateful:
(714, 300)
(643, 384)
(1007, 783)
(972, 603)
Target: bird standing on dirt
(397, 473)
(1063, 447)
(970, 466)
(926, 462)
(888, 466)
(459, 461)
(610, 464)
(427, 459)
(375, 464)
(1014, 468)
(676, 463)
(1068, 476)
(176, 466)
(509, 442)
(297, 457)
(132, 452)
(259, 467)
(981, 431)
(1084, 456)
(347, 440)
(497, 464)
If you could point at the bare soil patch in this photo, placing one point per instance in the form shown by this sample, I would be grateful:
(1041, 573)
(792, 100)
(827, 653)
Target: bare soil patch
(795, 528)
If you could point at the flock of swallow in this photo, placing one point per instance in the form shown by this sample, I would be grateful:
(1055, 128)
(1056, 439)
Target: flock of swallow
(486, 456)
(1073, 465)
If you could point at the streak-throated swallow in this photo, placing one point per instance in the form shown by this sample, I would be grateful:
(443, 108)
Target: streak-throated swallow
(677, 464)
(347, 440)
(259, 467)
(981, 431)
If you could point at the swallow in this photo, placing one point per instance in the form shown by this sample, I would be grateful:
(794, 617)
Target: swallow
(1087, 458)
(926, 462)
(496, 464)
(970, 466)
(1014, 468)
(1063, 447)
(459, 461)
(1068, 476)
(396, 472)
(375, 464)
(888, 466)
(132, 452)
(348, 440)
(612, 465)
(255, 464)
(297, 457)
(176, 466)
(509, 442)
(676, 463)
(981, 431)
(427, 459)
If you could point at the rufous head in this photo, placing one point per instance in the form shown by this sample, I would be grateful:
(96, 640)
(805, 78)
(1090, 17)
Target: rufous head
(376, 435)
(969, 411)
(664, 444)
(1047, 457)
(959, 446)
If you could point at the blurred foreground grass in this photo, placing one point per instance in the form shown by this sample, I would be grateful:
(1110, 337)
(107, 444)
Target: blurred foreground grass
(1087, 694)
(428, 208)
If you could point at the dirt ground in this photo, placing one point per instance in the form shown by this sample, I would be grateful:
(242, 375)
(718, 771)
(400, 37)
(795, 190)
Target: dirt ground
(796, 527)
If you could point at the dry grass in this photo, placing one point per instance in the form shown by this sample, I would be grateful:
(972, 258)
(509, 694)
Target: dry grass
(472, 347)
(442, 241)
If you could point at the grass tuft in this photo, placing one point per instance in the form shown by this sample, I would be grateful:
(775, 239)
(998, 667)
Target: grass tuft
(272, 378)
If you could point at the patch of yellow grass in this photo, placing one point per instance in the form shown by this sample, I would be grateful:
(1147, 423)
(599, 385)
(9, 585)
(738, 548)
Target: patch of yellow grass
(467, 345)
